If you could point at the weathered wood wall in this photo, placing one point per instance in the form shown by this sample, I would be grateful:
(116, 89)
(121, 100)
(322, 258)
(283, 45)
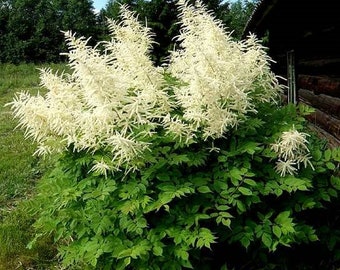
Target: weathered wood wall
(322, 93)
(311, 29)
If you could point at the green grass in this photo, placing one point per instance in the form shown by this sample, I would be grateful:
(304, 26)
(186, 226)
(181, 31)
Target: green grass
(17, 166)
(19, 171)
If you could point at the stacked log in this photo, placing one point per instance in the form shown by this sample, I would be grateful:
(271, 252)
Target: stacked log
(322, 94)
(327, 104)
(320, 85)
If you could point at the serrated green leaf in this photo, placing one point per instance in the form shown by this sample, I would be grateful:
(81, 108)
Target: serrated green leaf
(267, 240)
(332, 192)
(157, 251)
(250, 182)
(294, 183)
(198, 217)
(199, 180)
(166, 197)
(163, 176)
(283, 218)
(277, 231)
(222, 159)
(330, 165)
(317, 155)
(324, 195)
(287, 228)
(245, 191)
(167, 187)
(278, 192)
(226, 215)
(187, 264)
(240, 206)
(335, 181)
(236, 174)
(336, 154)
(245, 241)
(175, 159)
(204, 189)
(313, 237)
(251, 147)
(205, 238)
(123, 254)
(223, 207)
(327, 155)
(127, 261)
(182, 254)
(308, 204)
(165, 149)
(226, 222)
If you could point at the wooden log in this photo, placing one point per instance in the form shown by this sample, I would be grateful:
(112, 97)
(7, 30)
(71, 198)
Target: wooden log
(331, 140)
(320, 84)
(327, 104)
(326, 122)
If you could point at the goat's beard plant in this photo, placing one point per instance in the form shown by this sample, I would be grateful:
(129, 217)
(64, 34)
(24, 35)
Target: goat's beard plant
(159, 163)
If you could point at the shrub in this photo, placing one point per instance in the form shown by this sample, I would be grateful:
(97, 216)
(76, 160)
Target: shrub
(161, 167)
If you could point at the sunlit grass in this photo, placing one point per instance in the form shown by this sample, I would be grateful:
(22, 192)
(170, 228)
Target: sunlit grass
(17, 166)
(19, 171)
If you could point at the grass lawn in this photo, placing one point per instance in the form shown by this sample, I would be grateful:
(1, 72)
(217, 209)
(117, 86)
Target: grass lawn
(16, 161)
(19, 170)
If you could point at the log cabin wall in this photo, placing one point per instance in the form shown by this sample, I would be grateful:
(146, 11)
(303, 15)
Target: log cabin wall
(312, 30)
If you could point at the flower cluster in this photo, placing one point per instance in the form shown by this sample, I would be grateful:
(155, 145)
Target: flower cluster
(292, 150)
(117, 99)
(224, 79)
(100, 104)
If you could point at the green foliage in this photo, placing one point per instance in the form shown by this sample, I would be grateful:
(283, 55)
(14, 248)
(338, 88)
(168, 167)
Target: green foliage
(187, 201)
(30, 29)
(240, 12)
(197, 205)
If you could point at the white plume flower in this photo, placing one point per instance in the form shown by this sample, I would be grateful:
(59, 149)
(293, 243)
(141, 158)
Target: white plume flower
(116, 99)
(101, 167)
(292, 150)
(221, 77)
(102, 102)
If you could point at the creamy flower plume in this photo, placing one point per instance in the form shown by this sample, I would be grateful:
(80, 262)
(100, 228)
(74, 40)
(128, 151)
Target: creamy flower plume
(116, 99)
(223, 79)
(292, 150)
(105, 98)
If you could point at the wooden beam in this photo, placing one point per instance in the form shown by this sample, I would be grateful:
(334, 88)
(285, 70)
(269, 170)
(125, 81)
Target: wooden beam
(327, 104)
(326, 122)
(320, 85)
(331, 140)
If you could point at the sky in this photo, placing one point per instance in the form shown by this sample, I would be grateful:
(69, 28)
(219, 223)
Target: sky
(99, 4)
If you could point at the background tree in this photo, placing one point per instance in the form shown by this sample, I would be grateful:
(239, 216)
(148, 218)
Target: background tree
(161, 16)
(239, 14)
(112, 8)
(31, 29)
(78, 16)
